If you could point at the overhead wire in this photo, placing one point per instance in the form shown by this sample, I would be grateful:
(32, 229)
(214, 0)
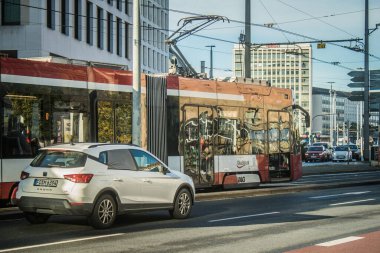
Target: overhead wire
(320, 20)
(198, 35)
(274, 20)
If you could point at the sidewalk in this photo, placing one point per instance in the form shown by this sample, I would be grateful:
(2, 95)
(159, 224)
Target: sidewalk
(328, 168)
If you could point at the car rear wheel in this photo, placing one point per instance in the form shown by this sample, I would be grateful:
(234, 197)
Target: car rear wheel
(36, 218)
(104, 213)
(182, 205)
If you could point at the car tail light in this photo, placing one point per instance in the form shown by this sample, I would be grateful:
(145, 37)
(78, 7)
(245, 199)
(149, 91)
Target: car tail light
(79, 178)
(24, 175)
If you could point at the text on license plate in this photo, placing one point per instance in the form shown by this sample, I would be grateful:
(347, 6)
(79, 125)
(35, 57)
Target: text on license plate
(46, 182)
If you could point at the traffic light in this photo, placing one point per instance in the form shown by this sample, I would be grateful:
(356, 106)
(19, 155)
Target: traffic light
(321, 45)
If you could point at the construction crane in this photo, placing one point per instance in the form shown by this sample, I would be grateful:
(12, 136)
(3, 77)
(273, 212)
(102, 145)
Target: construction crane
(178, 62)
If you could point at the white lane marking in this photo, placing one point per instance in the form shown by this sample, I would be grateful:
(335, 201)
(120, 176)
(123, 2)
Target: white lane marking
(351, 202)
(340, 241)
(337, 195)
(245, 216)
(61, 242)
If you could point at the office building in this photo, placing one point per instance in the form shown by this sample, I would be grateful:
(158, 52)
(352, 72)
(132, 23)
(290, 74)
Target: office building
(94, 31)
(285, 66)
(335, 116)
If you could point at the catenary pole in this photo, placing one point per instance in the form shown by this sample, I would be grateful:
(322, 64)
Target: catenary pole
(136, 115)
(247, 52)
(366, 87)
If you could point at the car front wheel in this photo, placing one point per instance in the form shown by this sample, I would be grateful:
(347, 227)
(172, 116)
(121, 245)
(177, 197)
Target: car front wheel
(36, 218)
(104, 213)
(182, 205)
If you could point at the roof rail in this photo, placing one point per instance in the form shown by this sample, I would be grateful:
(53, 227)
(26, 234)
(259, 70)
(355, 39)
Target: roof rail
(110, 144)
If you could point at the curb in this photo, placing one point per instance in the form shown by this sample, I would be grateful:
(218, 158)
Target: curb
(278, 190)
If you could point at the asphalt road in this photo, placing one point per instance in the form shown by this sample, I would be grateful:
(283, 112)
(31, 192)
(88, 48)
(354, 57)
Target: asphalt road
(272, 223)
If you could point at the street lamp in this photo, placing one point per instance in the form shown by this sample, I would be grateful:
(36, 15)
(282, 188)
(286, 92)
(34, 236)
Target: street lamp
(325, 114)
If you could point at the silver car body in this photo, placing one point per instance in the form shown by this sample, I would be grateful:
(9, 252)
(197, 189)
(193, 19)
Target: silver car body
(133, 188)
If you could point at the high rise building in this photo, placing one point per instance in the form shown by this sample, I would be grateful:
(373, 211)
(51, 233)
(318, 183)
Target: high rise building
(285, 66)
(98, 31)
(336, 118)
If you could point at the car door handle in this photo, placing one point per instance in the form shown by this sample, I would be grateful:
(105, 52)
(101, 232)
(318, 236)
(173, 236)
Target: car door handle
(118, 180)
(147, 180)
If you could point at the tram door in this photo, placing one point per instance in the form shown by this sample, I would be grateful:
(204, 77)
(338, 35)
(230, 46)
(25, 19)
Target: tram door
(198, 144)
(114, 122)
(279, 144)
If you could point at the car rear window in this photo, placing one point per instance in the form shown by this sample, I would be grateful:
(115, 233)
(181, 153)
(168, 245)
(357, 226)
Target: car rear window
(59, 158)
(316, 148)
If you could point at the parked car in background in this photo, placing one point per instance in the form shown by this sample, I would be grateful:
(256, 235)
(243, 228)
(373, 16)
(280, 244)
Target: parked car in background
(329, 149)
(342, 153)
(100, 181)
(316, 153)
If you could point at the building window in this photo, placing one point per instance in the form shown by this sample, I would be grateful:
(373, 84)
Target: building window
(109, 2)
(100, 36)
(109, 32)
(10, 12)
(89, 23)
(127, 39)
(145, 57)
(126, 7)
(65, 17)
(118, 4)
(78, 19)
(50, 14)
(119, 33)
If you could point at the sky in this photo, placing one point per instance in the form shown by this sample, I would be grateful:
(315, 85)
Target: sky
(320, 20)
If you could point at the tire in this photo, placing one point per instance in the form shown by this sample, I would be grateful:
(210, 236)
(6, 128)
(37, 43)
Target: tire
(104, 213)
(36, 218)
(182, 205)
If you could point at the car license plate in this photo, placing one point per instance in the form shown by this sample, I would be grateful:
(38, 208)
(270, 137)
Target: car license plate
(46, 182)
(313, 156)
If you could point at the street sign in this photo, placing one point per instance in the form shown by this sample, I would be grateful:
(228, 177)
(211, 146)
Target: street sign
(356, 73)
(359, 96)
(375, 84)
(357, 79)
(356, 85)
(356, 98)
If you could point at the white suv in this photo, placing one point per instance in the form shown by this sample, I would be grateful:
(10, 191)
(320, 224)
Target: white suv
(101, 181)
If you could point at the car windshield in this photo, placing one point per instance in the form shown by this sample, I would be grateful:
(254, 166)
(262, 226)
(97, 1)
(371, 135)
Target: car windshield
(59, 158)
(321, 144)
(316, 148)
(342, 148)
(353, 147)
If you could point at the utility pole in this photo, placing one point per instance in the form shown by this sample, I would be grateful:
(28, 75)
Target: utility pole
(366, 86)
(331, 114)
(335, 121)
(211, 61)
(247, 52)
(136, 115)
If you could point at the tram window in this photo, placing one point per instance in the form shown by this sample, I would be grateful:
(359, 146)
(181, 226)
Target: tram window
(284, 125)
(253, 123)
(173, 125)
(21, 131)
(114, 121)
(70, 119)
